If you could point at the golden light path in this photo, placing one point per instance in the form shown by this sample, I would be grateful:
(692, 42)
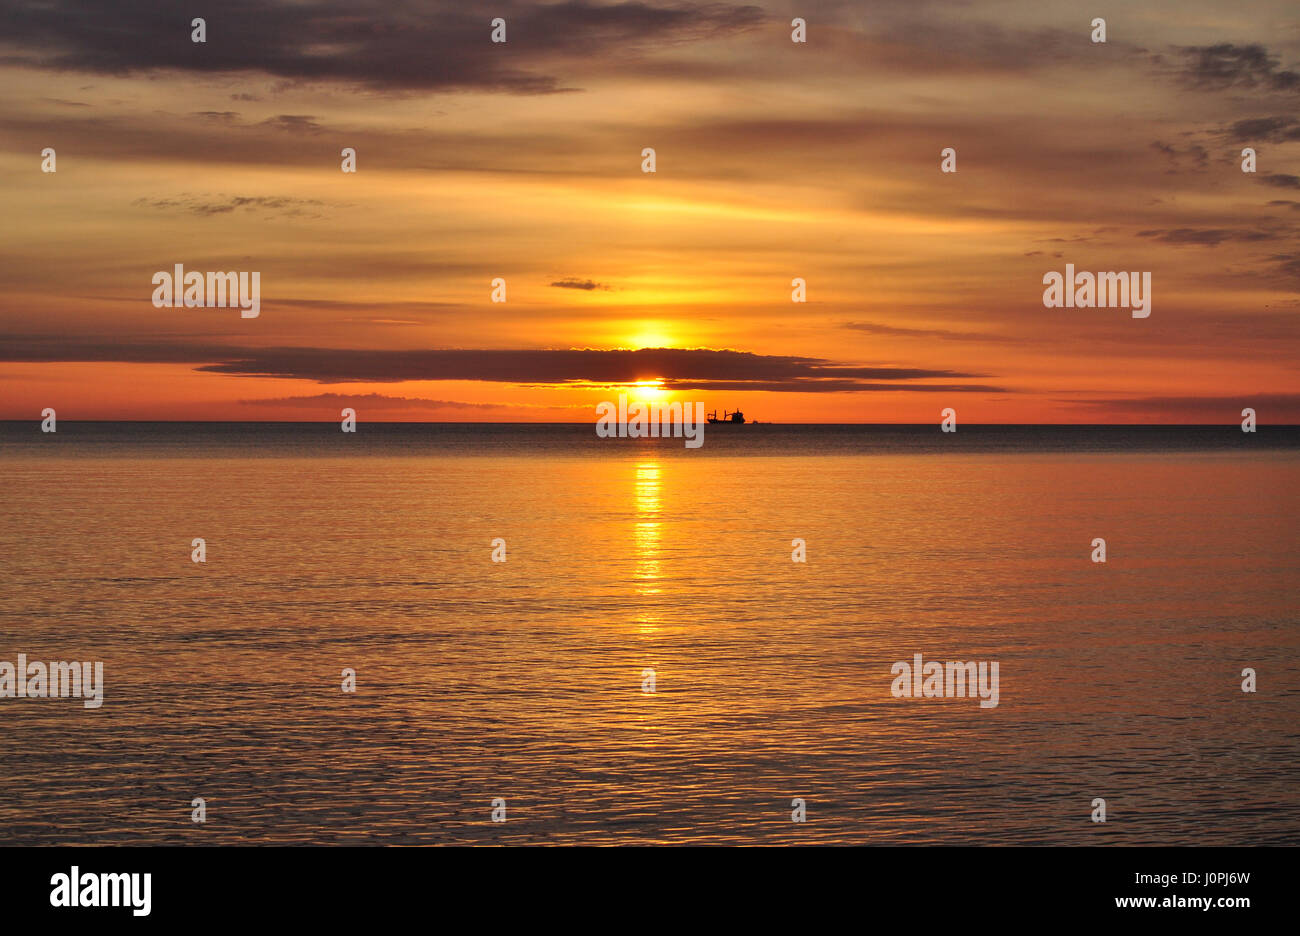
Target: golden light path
(646, 539)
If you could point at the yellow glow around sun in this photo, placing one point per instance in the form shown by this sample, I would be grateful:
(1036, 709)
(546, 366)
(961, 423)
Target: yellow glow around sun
(651, 335)
(647, 391)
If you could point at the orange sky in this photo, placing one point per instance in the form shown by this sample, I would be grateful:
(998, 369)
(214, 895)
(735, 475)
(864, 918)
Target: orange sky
(775, 160)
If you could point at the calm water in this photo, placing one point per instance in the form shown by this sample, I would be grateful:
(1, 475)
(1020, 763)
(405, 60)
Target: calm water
(522, 679)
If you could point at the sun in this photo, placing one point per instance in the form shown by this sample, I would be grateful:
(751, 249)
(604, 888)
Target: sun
(648, 391)
(651, 335)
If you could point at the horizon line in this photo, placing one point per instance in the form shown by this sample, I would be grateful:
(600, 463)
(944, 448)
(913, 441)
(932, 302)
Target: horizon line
(506, 422)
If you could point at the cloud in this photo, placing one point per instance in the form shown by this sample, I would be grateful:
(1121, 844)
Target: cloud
(1287, 264)
(221, 116)
(378, 399)
(680, 368)
(276, 205)
(1225, 65)
(696, 368)
(1264, 129)
(1281, 180)
(827, 386)
(295, 123)
(1196, 152)
(578, 284)
(438, 44)
(875, 328)
(1206, 237)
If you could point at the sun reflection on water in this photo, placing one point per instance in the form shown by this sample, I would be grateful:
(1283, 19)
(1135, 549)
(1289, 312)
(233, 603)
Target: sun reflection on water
(647, 530)
(647, 533)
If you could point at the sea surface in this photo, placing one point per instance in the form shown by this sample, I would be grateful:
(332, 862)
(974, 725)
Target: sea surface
(524, 680)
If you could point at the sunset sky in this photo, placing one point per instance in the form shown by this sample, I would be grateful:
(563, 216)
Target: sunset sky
(775, 160)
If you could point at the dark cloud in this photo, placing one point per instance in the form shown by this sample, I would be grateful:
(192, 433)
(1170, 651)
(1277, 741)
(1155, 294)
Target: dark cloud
(294, 123)
(1199, 155)
(222, 116)
(1281, 180)
(436, 44)
(1206, 237)
(1263, 129)
(578, 284)
(379, 400)
(683, 368)
(201, 205)
(695, 368)
(1226, 65)
(1287, 264)
(827, 386)
(875, 328)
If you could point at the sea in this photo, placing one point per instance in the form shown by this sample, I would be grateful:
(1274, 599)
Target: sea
(556, 638)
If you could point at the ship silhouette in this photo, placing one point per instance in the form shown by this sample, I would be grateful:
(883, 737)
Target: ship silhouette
(736, 419)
